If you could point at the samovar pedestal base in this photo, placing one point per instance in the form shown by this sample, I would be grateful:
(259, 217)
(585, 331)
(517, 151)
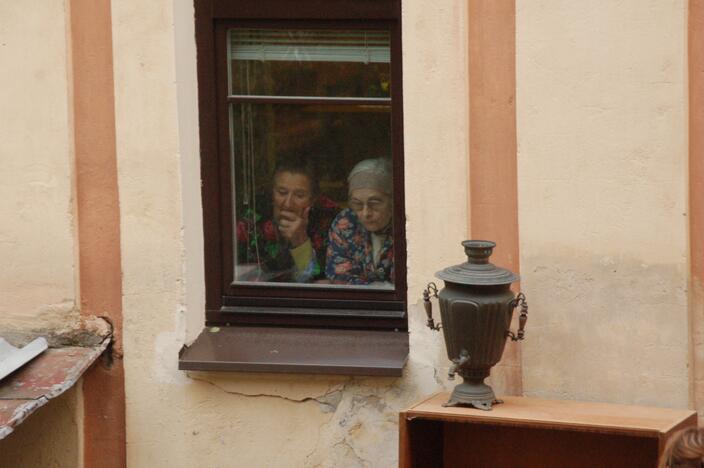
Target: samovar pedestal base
(475, 394)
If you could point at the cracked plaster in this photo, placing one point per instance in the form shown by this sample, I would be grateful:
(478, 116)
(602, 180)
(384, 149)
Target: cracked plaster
(357, 416)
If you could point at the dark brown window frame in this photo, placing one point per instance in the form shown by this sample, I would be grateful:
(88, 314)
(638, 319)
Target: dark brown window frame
(271, 304)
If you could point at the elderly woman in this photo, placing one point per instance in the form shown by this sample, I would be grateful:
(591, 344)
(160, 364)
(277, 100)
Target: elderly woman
(288, 240)
(360, 244)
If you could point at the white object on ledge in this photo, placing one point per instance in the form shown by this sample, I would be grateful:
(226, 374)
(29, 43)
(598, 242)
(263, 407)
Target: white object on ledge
(12, 358)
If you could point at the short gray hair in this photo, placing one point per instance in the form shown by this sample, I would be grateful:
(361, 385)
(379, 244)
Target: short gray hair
(371, 173)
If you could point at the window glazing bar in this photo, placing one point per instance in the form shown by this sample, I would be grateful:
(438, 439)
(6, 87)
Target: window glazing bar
(247, 98)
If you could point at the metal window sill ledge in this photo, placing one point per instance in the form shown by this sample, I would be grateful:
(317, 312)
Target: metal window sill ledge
(297, 350)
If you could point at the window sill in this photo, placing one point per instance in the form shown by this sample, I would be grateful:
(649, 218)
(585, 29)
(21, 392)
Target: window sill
(297, 350)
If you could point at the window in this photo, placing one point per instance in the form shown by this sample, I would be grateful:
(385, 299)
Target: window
(302, 168)
(310, 150)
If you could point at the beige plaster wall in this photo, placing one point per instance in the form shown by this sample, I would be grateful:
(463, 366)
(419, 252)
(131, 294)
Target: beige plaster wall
(602, 199)
(37, 285)
(177, 419)
(38, 289)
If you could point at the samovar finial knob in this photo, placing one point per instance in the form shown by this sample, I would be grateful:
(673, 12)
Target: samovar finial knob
(478, 251)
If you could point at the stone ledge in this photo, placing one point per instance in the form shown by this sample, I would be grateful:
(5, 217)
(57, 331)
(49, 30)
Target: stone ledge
(51, 373)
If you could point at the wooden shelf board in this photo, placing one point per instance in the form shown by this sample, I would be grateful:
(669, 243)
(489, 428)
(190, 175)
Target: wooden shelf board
(560, 415)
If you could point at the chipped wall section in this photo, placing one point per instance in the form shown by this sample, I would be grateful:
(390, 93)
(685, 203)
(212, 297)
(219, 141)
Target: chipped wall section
(320, 421)
(602, 199)
(263, 420)
(36, 233)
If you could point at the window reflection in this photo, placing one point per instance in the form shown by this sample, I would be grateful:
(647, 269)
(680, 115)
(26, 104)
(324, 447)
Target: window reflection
(312, 176)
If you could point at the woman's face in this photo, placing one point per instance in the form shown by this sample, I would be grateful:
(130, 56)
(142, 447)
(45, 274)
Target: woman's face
(372, 207)
(292, 192)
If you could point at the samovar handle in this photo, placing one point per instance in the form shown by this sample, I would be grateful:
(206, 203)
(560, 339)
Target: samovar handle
(430, 289)
(522, 319)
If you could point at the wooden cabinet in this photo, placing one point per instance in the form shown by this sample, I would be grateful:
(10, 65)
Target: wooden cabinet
(529, 432)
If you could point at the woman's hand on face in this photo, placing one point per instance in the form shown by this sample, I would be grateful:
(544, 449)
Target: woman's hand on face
(294, 227)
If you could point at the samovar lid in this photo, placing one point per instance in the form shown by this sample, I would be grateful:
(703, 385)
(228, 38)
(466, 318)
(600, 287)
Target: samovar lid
(477, 271)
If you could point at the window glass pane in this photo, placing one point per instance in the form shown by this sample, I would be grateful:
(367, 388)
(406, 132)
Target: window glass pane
(327, 63)
(313, 194)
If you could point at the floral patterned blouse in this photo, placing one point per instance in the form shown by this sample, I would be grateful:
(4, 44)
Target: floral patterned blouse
(349, 258)
(258, 242)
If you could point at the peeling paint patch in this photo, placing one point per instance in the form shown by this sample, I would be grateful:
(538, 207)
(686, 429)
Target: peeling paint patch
(166, 346)
(330, 401)
(21, 409)
(84, 331)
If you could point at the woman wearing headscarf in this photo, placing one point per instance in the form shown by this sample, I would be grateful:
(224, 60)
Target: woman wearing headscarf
(360, 244)
(288, 241)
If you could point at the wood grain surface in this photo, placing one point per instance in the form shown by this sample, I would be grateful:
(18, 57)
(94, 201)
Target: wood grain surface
(531, 432)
